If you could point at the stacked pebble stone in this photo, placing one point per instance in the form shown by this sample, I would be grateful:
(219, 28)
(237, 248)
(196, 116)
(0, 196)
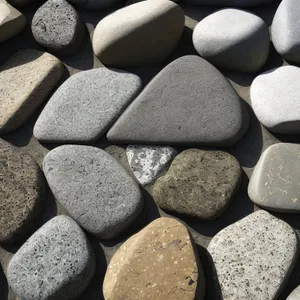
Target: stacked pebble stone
(149, 149)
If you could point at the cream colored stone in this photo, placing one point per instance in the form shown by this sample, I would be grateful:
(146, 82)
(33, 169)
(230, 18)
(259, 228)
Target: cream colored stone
(142, 33)
(26, 80)
(160, 262)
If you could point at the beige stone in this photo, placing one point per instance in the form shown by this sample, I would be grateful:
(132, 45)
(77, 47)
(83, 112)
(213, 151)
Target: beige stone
(12, 22)
(139, 34)
(159, 262)
(26, 80)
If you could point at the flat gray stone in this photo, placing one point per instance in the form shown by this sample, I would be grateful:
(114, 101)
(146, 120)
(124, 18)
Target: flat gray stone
(254, 257)
(96, 4)
(94, 188)
(85, 105)
(274, 184)
(147, 162)
(243, 48)
(231, 3)
(295, 295)
(57, 26)
(56, 262)
(199, 184)
(284, 30)
(275, 99)
(188, 102)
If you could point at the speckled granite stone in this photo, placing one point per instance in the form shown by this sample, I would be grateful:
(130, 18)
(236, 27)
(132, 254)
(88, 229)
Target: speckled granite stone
(199, 183)
(254, 257)
(20, 98)
(22, 193)
(160, 262)
(147, 162)
(94, 188)
(56, 262)
(295, 295)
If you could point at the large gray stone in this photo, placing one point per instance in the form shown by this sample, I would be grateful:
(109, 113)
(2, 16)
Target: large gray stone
(232, 3)
(243, 48)
(56, 262)
(84, 106)
(188, 102)
(144, 33)
(295, 295)
(284, 30)
(94, 188)
(274, 184)
(254, 257)
(57, 26)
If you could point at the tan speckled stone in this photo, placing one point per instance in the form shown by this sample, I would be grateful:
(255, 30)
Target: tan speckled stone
(159, 262)
(26, 80)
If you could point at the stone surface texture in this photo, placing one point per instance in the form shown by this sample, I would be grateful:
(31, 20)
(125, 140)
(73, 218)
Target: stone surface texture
(20, 98)
(57, 26)
(274, 184)
(254, 257)
(275, 99)
(22, 193)
(232, 3)
(284, 30)
(188, 102)
(144, 33)
(12, 22)
(56, 262)
(94, 188)
(199, 183)
(243, 48)
(295, 295)
(148, 162)
(159, 262)
(85, 105)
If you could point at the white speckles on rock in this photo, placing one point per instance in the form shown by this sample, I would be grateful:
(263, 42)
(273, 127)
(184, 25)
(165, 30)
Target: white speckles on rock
(147, 162)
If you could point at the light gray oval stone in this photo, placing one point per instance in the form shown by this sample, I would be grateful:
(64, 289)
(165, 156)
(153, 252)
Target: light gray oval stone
(274, 184)
(254, 257)
(232, 3)
(285, 30)
(85, 105)
(275, 99)
(94, 188)
(295, 295)
(243, 48)
(56, 262)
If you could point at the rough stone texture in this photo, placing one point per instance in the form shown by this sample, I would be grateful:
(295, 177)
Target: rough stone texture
(243, 48)
(20, 98)
(233, 3)
(275, 99)
(188, 102)
(295, 295)
(94, 188)
(57, 26)
(199, 183)
(254, 257)
(56, 262)
(22, 193)
(85, 105)
(140, 34)
(148, 162)
(12, 21)
(274, 184)
(160, 262)
(284, 30)
(96, 4)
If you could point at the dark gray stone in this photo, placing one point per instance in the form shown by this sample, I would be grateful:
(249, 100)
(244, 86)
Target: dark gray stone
(57, 26)
(188, 102)
(56, 262)
(94, 188)
(85, 105)
(232, 3)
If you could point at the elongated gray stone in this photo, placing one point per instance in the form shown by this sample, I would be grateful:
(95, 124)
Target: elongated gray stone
(94, 188)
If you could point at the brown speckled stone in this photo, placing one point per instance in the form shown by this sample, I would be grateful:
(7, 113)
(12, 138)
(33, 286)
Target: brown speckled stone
(160, 262)
(199, 183)
(22, 192)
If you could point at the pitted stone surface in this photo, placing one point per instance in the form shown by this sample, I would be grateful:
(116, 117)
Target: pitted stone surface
(94, 188)
(159, 262)
(231, 3)
(20, 98)
(56, 262)
(85, 105)
(199, 183)
(254, 257)
(147, 162)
